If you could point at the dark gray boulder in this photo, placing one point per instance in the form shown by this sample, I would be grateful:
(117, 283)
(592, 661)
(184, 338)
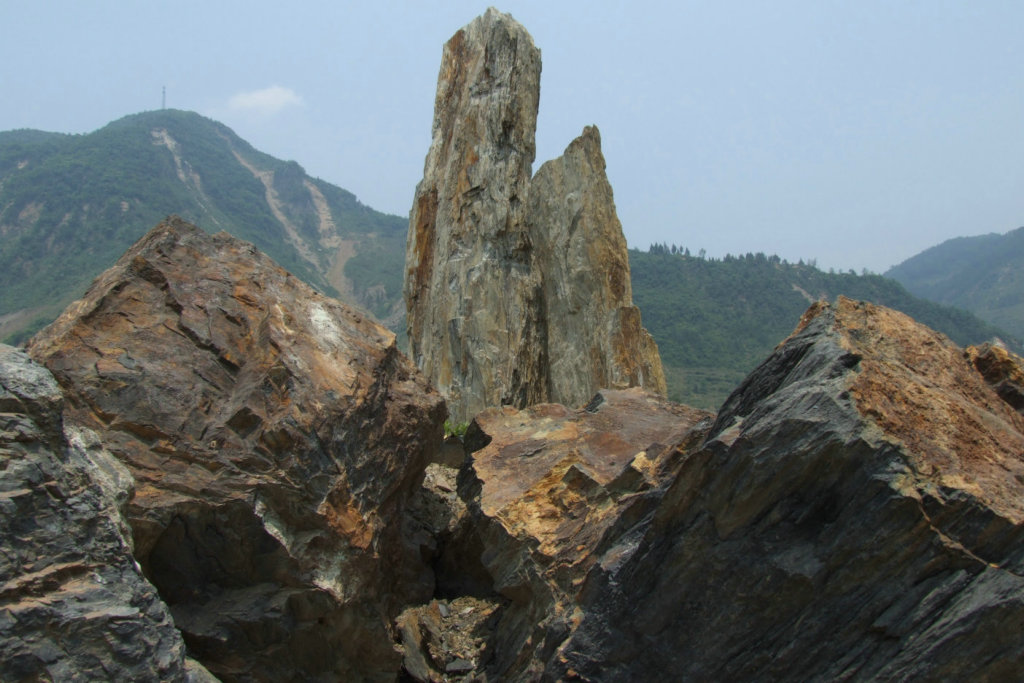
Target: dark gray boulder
(73, 603)
(856, 513)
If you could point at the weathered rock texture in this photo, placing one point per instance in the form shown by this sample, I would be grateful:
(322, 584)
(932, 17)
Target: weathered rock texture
(856, 512)
(594, 334)
(546, 497)
(1003, 371)
(489, 305)
(472, 296)
(73, 603)
(275, 437)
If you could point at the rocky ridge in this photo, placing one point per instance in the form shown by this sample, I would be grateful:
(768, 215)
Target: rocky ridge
(59, 231)
(494, 256)
(275, 438)
(853, 511)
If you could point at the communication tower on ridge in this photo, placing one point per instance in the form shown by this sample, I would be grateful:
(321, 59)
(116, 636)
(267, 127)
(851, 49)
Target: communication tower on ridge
(163, 99)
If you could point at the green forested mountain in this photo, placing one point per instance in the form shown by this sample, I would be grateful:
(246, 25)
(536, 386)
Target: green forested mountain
(70, 205)
(715, 320)
(984, 274)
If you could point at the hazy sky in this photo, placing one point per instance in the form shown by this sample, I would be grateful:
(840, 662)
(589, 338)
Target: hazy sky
(856, 133)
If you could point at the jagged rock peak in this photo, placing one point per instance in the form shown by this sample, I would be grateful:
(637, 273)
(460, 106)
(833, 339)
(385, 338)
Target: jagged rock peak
(854, 513)
(275, 437)
(594, 336)
(484, 291)
(471, 294)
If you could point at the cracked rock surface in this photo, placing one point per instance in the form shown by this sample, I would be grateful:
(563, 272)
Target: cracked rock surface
(855, 513)
(517, 288)
(275, 437)
(73, 603)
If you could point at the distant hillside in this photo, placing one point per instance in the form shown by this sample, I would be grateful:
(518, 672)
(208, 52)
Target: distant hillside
(715, 320)
(984, 274)
(71, 204)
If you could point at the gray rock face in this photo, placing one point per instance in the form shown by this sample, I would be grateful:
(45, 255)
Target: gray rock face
(855, 513)
(472, 296)
(517, 291)
(594, 336)
(73, 603)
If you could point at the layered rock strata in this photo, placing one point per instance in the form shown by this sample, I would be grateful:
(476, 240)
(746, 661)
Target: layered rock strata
(594, 334)
(275, 437)
(502, 270)
(73, 603)
(856, 512)
(472, 296)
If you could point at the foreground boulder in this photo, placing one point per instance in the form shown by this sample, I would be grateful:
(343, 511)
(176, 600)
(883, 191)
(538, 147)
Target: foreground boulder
(856, 512)
(517, 289)
(275, 437)
(73, 603)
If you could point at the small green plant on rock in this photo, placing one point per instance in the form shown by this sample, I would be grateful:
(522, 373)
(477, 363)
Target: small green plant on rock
(453, 429)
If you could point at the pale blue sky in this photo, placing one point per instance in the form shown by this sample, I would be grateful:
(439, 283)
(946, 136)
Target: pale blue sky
(854, 133)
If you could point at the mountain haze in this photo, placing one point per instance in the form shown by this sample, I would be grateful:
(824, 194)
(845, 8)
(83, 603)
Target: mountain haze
(983, 274)
(71, 204)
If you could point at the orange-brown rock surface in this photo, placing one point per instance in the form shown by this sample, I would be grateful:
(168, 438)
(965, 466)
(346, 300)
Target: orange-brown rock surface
(517, 288)
(855, 513)
(275, 437)
(545, 495)
(1004, 372)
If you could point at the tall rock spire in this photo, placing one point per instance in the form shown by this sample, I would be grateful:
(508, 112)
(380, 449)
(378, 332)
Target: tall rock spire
(594, 339)
(471, 294)
(508, 301)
